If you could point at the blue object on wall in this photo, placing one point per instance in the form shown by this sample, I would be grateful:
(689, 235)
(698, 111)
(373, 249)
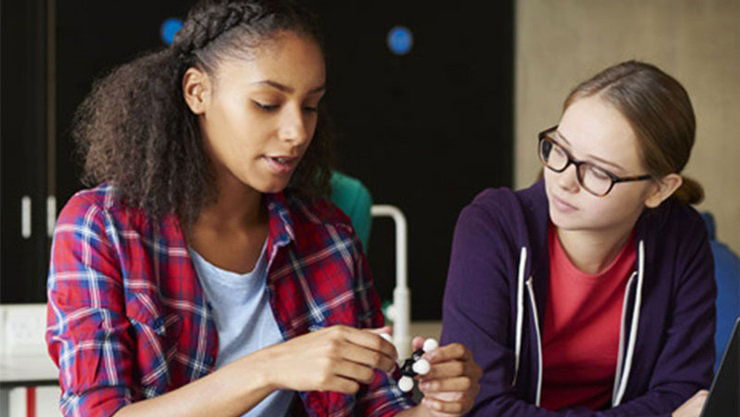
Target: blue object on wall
(400, 40)
(169, 29)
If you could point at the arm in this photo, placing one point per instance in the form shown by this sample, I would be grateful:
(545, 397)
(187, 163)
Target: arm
(87, 332)
(338, 358)
(477, 309)
(90, 337)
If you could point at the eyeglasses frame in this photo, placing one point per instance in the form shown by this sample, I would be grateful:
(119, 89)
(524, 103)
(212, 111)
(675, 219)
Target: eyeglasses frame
(544, 135)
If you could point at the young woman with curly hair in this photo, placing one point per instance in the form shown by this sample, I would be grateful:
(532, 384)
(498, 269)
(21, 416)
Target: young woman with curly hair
(206, 274)
(591, 293)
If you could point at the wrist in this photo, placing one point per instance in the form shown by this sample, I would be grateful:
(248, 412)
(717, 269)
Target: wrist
(251, 373)
(261, 364)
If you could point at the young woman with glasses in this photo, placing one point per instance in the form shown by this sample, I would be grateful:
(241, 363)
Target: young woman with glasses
(591, 293)
(206, 274)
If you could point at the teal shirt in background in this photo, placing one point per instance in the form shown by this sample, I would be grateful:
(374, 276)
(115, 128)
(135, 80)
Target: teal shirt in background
(353, 198)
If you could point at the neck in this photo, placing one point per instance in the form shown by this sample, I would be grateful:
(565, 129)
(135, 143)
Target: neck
(237, 207)
(593, 251)
(231, 231)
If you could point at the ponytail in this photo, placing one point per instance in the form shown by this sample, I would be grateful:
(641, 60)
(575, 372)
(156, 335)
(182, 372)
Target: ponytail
(690, 192)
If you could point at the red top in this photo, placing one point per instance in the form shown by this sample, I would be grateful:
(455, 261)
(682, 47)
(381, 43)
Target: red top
(581, 333)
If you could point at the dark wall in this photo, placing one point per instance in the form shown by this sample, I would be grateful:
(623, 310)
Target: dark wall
(424, 131)
(23, 138)
(93, 37)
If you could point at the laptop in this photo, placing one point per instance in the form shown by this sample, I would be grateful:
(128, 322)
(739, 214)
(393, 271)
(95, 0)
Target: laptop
(723, 396)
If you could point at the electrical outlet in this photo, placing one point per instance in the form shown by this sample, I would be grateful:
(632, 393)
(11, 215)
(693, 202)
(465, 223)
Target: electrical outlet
(23, 327)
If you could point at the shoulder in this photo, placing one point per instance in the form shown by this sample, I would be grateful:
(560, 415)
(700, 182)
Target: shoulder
(101, 207)
(675, 234)
(505, 201)
(674, 220)
(494, 201)
(89, 203)
(508, 209)
(320, 224)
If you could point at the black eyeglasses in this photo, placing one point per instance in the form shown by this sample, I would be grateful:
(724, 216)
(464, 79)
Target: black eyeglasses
(592, 178)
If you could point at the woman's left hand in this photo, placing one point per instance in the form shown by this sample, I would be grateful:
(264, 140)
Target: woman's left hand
(451, 385)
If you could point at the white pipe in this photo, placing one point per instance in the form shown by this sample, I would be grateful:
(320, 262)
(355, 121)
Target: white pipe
(401, 294)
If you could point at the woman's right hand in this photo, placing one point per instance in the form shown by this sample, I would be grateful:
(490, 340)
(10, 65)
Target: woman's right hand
(692, 407)
(337, 358)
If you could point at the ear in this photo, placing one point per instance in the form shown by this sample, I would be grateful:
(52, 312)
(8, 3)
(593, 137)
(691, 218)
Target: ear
(664, 188)
(196, 89)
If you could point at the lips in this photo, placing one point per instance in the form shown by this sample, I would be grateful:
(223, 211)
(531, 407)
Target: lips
(562, 205)
(281, 164)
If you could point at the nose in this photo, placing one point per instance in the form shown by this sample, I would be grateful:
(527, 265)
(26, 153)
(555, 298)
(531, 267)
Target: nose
(568, 179)
(294, 127)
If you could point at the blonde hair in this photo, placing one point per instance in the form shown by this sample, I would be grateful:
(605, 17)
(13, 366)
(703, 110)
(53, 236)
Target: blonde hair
(659, 110)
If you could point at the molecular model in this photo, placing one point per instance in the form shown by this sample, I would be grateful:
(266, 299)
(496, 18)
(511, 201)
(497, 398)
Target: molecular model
(415, 365)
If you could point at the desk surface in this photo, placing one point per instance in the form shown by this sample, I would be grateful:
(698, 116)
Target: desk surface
(27, 370)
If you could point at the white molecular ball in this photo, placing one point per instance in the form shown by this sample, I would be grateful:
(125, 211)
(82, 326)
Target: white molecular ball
(421, 367)
(406, 384)
(430, 344)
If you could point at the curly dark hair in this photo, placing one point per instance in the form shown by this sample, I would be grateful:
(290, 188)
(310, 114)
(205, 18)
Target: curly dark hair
(134, 129)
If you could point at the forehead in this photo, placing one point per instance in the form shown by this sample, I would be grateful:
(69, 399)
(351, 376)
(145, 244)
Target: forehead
(594, 128)
(287, 58)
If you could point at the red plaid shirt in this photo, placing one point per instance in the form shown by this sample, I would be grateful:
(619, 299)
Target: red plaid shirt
(128, 320)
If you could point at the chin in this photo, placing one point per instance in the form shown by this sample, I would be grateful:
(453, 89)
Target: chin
(272, 187)
(271, 190)
(565, 221)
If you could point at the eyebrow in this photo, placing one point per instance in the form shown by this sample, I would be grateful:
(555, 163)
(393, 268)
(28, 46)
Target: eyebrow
(603, 161)
(284, 88)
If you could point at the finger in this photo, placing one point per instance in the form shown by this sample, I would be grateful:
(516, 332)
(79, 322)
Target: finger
(364, 356)
(449, 369)
(369, 340)
(453, 369)
(454, 351)
(354, 371)
(384, 332)
(381, 330)
(458, 384)
(417, 343)
(449, 407)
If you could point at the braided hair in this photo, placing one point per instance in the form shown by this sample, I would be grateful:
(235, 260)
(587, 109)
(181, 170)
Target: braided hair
(135, 131)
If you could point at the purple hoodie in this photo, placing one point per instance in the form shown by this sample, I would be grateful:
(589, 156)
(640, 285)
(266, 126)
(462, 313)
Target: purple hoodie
(496, 291)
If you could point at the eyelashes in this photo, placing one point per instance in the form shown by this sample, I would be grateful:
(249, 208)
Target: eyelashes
(265, 106)
(269, 107)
